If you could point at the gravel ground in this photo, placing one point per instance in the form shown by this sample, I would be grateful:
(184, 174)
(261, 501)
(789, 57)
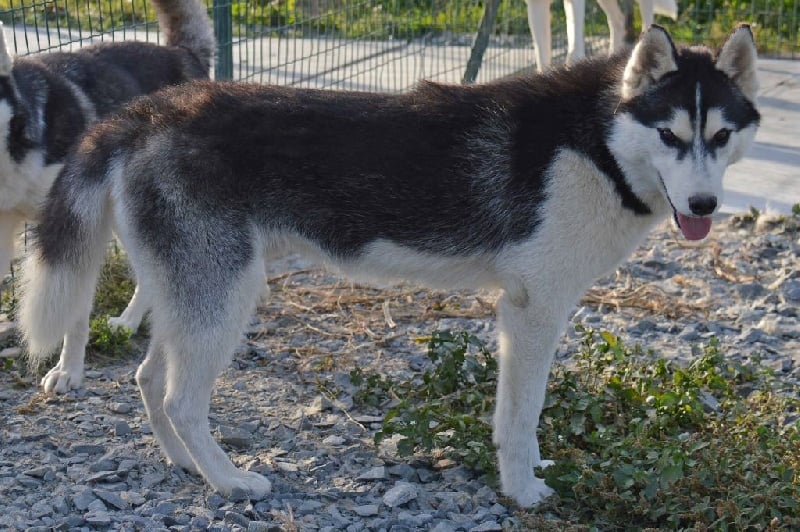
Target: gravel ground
(284, 408)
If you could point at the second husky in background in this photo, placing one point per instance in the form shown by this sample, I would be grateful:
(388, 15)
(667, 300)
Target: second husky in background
(47, 101)
(575, 10)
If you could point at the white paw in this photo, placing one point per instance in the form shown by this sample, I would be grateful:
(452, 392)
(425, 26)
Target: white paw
(60, 380)
(121, 321)
(532, 493)
(257, 486)
(544, 464)
(180, 458)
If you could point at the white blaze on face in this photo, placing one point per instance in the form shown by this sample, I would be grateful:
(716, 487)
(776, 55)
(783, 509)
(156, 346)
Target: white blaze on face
(695, 167)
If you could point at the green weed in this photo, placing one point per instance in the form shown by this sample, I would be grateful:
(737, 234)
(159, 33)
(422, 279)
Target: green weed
(639, 441)
(108, 340)
(115, 286)
(448, 410)
(645, 442)
(114, 289)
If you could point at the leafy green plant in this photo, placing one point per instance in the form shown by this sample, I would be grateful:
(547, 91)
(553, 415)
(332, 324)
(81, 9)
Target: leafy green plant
(445, 412)
(645, 442)
(638, 441)
(372, 389)
(109, 340)
(115, 286)
(114, 289)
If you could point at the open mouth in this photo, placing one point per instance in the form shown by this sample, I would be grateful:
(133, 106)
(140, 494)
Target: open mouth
(692, 227)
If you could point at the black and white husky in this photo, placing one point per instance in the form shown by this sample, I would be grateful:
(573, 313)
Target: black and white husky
(535, 186)
(47, 101)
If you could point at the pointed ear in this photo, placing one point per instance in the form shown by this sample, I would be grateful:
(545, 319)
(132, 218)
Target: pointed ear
(6, 61)
(653, 56)
(738, 59)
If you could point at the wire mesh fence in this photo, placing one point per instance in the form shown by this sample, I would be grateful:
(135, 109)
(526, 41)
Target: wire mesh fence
(384, 45)
(378, 45)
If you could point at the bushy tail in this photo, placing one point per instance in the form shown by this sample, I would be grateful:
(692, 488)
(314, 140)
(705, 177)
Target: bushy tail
(185, 23)
(69, 244)
(668, 8)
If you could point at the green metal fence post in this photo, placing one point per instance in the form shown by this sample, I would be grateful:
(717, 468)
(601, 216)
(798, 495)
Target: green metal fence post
(223, 33)
(481, 41)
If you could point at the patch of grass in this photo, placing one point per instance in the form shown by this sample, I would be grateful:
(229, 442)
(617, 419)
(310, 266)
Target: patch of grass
(114, 290)
(108, 340)
(115, 286)
(639, 441)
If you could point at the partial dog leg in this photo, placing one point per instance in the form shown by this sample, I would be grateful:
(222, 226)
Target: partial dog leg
(616, 23)
(539, 23)
(266, 293)
(133, 314)
(152, 379)
(646, 7)
(576, 13)
(196, 352)
(529, 332)
(68, 373)
(9, 224)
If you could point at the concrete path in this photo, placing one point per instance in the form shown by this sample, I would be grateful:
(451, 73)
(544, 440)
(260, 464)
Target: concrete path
(769, 175)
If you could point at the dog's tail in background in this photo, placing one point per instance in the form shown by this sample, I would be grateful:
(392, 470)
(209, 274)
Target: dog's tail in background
(186, 24)
(68, 249)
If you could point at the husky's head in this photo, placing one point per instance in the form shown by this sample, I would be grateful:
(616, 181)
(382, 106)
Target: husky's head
(684, 116)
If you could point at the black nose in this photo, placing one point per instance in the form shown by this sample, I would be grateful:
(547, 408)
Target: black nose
(702, 205)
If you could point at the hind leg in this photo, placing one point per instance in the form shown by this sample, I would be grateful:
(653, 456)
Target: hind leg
(197, 350)
(575, 11)
(133, 314)
(616, 23)
(646, 8)
(9, 225)
(67, 374)
(152, 380)
(266, 294)
(539, 23)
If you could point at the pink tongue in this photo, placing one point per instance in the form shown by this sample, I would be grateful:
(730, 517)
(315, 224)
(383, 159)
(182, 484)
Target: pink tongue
(694, 228)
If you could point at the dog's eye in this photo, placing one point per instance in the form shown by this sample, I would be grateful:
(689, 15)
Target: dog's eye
(721, 137)
(668, 137)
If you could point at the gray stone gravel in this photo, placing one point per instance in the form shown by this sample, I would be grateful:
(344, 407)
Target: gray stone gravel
(284, 408)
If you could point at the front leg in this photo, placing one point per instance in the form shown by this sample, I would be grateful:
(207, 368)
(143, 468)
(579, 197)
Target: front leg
(529, 329)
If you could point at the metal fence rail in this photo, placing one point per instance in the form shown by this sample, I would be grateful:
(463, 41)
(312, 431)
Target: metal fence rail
(379, 45)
